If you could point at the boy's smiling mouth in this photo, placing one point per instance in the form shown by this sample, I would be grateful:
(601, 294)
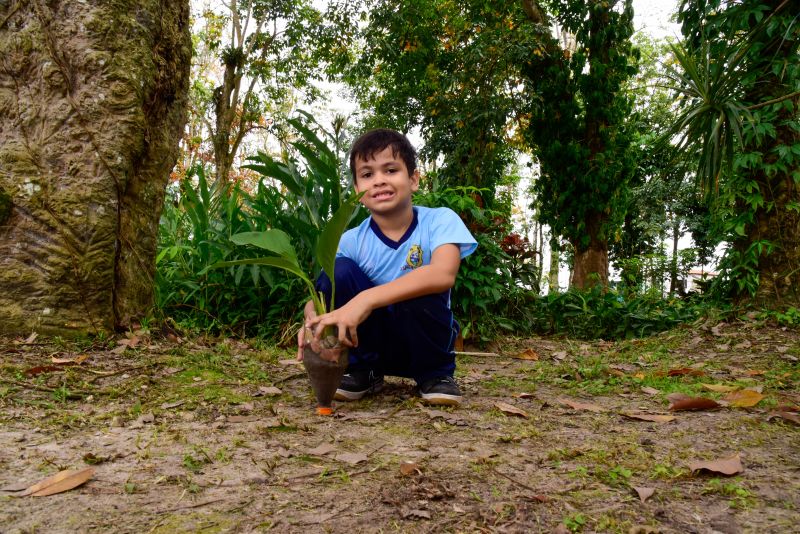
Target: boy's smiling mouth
(382, 195)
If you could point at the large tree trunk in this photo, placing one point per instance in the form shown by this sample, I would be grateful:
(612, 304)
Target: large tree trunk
(92, 105)
(591, 263)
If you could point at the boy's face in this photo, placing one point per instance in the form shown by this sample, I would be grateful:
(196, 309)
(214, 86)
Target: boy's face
(387, 185)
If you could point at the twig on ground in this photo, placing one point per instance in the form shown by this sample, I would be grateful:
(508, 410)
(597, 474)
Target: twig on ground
(187, 507)
(517, 482)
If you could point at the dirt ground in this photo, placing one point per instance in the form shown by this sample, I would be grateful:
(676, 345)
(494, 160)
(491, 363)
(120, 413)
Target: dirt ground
(221, 436)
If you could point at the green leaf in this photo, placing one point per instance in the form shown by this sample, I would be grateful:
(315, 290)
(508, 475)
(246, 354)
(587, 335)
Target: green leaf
(274, 240)
(328, 242)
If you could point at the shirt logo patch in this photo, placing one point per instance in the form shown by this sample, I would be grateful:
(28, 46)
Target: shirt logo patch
(414, 258)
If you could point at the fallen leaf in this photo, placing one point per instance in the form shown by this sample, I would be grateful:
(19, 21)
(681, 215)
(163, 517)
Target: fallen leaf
(523, 395)
(639, 376)
(745, 398)
(31, 338)
(416, 514)
(39, 369)
(527, 354)
(291, 361)
(60, 482)
(19, 486)
(508, 409)
(410, 468)
(755, 372)
(685, 371)
(725, 466)
(651, 391)
(351, 458)
(719, 388)
(267, 391)
(655, 418)
(677, 396)
(561, 529)
(786, 416)
(575, 405)
(743, 345)
(644, 493)
(560, 355)
(70, 361)
(119, 349)
(170, 405)
(693, 403)
(322, 449)
(242, 418)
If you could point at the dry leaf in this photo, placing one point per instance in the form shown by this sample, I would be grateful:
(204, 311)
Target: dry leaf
(523, 395)
(242, 418)
(60, 482)
(644, 493)
(685, 371)
(417, 514)
(267, 391)
(725, 466)
(508, 409)
(746, 398)
(651, 391)
(575, 405)
(352, 458)
(291, 361)
(639, 376)
(527, 354)
(19, 486)
(410, 468)
(31, 338)
(655, 418)
(322, 449)
(70, 361)
(786, 416)
(693, 403)
(755, 372)
(39, 369)
(719, 388)
(560, 355)
(171, 405)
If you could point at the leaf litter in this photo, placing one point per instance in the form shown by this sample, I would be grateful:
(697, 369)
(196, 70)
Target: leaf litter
(543, 453)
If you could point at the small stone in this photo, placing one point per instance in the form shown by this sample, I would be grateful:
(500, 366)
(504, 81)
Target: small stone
(116, 421)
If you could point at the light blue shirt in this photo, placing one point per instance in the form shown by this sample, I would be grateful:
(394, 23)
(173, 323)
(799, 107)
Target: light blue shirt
(384, 260)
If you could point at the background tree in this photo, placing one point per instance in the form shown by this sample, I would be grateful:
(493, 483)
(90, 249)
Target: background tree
(93, 106)
(579, 131)
(740, 79)
(451, 69)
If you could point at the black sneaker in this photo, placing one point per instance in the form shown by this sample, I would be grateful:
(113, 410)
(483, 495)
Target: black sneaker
(357, 384)
(441, 390)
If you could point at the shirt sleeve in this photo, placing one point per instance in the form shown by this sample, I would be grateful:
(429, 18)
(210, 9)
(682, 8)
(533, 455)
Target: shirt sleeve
(447, 227)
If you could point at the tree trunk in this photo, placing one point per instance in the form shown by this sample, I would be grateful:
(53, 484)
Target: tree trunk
(591, 263)
(673, 270)
(92, 99)
(555, 260)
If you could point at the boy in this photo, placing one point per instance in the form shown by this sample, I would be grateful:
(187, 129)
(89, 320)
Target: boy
(393, 278)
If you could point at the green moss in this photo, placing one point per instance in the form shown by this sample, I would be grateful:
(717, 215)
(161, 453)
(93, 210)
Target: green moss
(5, 206)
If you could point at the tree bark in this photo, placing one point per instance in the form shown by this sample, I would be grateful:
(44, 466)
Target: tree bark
(93, 103)
(591, 263)
(673, 270)
(555, 260)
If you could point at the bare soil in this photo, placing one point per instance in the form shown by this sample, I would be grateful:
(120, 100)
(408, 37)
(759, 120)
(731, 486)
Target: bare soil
(190, 436)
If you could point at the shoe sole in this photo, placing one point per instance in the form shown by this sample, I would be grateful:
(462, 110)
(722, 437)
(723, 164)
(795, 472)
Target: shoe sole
(441, 399)
(345, 395)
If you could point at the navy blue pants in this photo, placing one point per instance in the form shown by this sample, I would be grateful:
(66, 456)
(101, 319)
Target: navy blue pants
(413, 338)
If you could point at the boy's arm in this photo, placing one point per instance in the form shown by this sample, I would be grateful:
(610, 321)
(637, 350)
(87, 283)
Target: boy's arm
(438, 276)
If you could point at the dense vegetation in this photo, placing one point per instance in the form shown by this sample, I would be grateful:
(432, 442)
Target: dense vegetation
(631, 144)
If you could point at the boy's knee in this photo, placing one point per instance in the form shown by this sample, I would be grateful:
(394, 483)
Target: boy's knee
(346, 269)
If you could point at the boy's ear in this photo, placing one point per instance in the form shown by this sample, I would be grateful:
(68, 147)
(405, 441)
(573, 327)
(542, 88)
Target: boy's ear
(415, 179)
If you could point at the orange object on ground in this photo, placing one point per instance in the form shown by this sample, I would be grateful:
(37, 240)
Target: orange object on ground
(324, 410)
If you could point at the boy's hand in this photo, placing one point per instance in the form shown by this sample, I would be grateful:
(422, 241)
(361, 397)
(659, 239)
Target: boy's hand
(346, 319)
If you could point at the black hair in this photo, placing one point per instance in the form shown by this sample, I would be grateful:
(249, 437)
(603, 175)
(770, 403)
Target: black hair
(377, 140)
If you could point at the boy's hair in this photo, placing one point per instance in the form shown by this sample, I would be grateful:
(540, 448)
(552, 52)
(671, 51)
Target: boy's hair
(377, 140)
